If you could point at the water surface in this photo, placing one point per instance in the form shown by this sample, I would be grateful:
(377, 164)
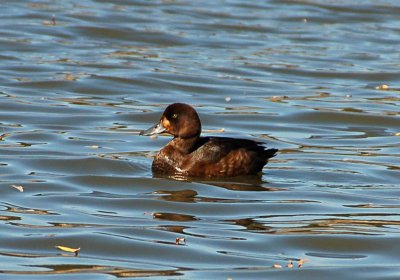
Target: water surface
(317, 79)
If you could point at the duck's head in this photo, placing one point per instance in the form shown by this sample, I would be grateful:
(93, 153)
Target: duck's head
(179, 119)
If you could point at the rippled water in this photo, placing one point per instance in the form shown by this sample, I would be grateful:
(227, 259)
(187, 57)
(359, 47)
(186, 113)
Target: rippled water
(317, 79)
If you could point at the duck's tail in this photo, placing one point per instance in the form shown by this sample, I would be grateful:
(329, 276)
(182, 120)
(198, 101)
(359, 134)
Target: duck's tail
(269, 153)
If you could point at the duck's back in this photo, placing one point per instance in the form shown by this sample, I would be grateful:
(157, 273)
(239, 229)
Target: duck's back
(223, 156)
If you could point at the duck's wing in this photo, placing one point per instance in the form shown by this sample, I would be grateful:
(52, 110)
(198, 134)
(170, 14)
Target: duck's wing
(213, 149)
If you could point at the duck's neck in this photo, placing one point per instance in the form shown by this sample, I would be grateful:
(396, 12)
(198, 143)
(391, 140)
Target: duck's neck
(185, 145)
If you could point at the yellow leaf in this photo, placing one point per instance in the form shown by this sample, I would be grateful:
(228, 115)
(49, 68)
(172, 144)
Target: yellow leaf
(301, 262)
(68, 249)
(382, 87)
(20, 188)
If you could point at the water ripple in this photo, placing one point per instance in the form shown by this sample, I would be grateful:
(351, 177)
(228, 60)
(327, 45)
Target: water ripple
(316, 79)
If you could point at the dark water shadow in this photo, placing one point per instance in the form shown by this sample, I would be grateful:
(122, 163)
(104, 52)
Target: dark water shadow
(239, 183)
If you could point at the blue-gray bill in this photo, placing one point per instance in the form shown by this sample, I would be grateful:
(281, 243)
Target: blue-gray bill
(155, 129)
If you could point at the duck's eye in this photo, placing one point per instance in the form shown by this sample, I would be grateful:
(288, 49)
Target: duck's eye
(174, 116)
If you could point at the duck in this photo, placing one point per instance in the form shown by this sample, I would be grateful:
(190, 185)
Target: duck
(191, 155)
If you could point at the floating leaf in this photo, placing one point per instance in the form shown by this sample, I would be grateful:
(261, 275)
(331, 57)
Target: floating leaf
(277, 266)
(301, 262)
(180, 240)
(382, 87)
(68, 249)
(20, 188)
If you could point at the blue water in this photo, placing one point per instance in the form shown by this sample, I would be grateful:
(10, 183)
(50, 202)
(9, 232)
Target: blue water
(317, 79)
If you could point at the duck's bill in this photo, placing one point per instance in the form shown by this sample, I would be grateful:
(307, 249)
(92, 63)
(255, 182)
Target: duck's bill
(156, 129)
